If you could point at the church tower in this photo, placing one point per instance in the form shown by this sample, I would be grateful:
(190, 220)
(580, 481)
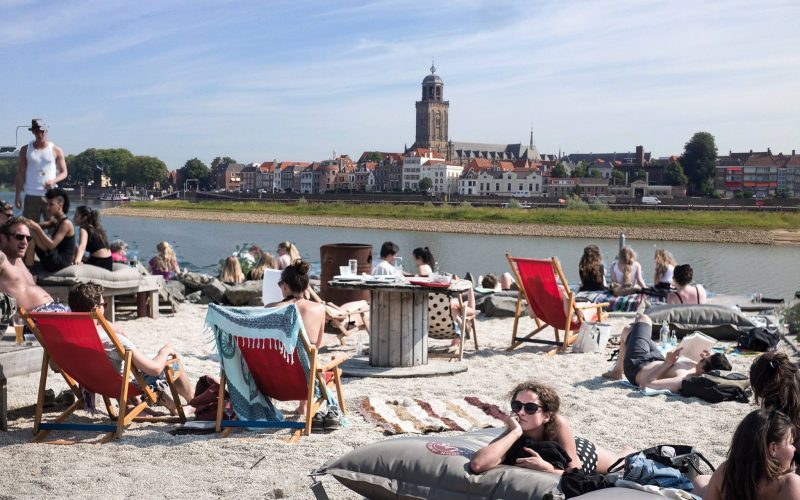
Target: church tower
(432, 115)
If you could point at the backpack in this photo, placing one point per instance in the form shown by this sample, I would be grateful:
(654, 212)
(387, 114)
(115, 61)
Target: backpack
(717, 386)
(205, 400)
(759, 339)
(686, 459)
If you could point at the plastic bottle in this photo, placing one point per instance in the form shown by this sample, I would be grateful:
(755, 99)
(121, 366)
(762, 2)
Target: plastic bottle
(673, 339)
(664, 334)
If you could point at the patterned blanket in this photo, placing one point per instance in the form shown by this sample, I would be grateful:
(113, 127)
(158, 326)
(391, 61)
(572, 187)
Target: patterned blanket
(624, 303)
(417, 416)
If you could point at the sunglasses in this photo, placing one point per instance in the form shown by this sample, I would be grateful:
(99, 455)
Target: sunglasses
(281, 282)
(20, 237)
(530, 408)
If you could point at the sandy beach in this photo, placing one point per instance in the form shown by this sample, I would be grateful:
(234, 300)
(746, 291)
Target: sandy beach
(749, 236)
(148, 461)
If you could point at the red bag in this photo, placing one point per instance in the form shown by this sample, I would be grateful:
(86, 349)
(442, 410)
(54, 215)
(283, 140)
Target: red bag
(204, 402)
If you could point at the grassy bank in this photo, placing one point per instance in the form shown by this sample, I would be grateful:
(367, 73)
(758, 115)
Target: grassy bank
(571, 217)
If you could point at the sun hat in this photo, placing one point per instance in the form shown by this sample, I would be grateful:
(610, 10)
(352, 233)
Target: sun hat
(38, 124)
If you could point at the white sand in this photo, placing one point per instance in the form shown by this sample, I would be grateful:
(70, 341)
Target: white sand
(150, 462)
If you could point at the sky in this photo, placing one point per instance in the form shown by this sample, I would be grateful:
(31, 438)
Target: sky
(298, 80)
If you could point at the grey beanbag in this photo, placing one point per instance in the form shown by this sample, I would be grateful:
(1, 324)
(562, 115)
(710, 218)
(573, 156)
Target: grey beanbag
(719, 322)
(121, 277)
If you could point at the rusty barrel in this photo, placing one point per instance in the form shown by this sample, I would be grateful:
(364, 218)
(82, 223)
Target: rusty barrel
(338, 254)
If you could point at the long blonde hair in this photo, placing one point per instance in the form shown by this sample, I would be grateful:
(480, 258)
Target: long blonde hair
(267, 261)
(165, 260)
(290, 249)
(627, 258)
(232, 271)
(664, 259)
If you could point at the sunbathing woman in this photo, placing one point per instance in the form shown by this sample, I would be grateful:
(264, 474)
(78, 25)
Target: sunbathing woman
(93, 239)
(665, 266)
(56, 250)
(591, 270)
(287, 254)
(534, 418)
(760, 462)
(266, 261)
(626, 272)
(231, 272)
(293, 284)
(684, 293)
(165, 263)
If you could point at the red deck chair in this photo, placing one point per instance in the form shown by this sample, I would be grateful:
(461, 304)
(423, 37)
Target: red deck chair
(538, 286)
(71, 340)
(280, 379)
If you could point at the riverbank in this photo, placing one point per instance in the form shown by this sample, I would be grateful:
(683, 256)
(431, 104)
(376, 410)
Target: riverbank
(556, 228)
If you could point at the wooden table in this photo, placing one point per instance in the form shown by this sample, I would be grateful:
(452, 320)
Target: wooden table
(398, 335)
(15, 360)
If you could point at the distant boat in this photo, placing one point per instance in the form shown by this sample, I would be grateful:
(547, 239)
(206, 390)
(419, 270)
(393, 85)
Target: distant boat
(113, 197)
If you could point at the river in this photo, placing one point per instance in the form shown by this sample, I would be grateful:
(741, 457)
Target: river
(722, 268)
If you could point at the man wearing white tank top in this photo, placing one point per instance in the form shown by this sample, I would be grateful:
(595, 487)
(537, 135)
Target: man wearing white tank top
(41, 167)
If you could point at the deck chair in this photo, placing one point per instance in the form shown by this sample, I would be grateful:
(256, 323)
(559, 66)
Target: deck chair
(71, 341)
(441, 325)
(275, 373)
(538, 286)
(340, 319)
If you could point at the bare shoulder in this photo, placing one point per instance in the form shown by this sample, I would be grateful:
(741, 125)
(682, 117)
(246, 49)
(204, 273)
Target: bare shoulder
(789, 486)
(57, 150)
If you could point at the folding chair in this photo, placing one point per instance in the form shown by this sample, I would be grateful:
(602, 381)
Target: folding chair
(538, 286)
(441, 327)
(281, 376)
(340, 317)
(72, 342)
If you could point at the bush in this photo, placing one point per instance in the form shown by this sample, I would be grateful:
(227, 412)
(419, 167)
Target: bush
(514, 203)
(574, 202)
(302, 201)
(791, 316)
(465, 204)
(598, 204)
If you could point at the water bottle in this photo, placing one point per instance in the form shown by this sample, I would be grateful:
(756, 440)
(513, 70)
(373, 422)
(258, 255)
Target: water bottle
(673, 339)
(664, 334)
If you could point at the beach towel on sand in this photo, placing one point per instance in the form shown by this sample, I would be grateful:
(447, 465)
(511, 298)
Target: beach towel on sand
(275, 328)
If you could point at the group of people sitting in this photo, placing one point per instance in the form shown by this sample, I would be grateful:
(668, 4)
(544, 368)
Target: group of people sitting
(232, 272)
(671, 279)
(760, 461)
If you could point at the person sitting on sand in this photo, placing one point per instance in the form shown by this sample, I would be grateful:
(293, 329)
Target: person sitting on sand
(294, 283)
(665, 267)
(266, 261)
(685, 294)
(119, 251)
(287, 254)
(643, 364)
(86, 297)
(591, 270)
(92, 239)
(231, 272)
(626, 272)
(165, 263)
(760, 462)
(385, 266)
(56, 250)
(534, 418)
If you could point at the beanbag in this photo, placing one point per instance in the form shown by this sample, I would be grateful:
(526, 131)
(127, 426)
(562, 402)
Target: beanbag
(719, 322)
(121, 277)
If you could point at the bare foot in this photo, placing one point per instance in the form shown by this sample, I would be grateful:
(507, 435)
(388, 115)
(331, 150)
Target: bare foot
(613, 374)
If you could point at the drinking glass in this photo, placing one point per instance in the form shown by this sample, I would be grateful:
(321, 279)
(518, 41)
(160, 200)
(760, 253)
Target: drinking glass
(18, 329)
(353, 266)
(398, 266)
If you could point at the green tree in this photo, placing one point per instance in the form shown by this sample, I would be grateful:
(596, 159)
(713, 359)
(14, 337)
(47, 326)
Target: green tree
(220, 162)
(617, 177)
(699, 160)
(146, 171)
(580, 170)
(375, 156)
(425, 184)
(638, 175)
(86, 167)
(559, 171)
(595, 173)
(673, 174)
(193, 169)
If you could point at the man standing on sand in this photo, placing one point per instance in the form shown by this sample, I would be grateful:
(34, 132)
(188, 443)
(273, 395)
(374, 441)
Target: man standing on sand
(15, 279)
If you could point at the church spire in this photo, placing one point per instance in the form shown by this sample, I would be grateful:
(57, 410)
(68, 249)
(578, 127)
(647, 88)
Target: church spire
(433, 66)
(531, 142)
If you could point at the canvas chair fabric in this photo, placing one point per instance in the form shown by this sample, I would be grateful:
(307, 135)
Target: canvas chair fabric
(441, 325)
(540, 288)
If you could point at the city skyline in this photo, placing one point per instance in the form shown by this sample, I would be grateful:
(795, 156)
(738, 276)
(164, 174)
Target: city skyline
(203, 79)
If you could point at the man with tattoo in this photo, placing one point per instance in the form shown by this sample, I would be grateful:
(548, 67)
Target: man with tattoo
(15, 279)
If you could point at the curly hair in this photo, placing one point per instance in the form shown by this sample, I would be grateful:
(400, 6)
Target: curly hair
(85, 297)
(589, 268)
(548, 400)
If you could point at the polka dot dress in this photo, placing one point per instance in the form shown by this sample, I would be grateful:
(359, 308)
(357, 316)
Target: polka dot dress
(440, 323)
(587, 454)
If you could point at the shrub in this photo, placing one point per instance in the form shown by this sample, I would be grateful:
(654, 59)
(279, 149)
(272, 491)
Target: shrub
(598, 204)
(574, 202)
(465, 204)
(302, 201)
(514, 203)
(791, 316)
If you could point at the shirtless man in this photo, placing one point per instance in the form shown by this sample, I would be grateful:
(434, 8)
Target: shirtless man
(15, 279)
(643, 365)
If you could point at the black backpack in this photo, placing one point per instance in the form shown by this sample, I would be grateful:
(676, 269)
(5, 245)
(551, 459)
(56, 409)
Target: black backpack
(717, 386)
(759, 339)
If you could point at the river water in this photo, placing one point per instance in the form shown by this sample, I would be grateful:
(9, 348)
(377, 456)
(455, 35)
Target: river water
(722, 268)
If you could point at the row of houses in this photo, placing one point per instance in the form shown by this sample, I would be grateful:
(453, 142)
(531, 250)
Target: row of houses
(761, 174)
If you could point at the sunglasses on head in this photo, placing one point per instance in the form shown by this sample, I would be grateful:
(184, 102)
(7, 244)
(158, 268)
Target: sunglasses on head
(530, 408)
(20, 237)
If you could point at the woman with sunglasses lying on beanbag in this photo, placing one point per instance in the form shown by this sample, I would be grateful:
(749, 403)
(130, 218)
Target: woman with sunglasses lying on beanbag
(534, 420)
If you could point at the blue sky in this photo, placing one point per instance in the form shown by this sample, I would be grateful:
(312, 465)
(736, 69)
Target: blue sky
(296, 80)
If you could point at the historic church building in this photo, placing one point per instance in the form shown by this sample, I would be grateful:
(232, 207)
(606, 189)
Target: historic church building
(432, 131)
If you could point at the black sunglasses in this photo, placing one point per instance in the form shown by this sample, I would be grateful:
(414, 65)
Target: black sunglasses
(530, 408)
(20, 237)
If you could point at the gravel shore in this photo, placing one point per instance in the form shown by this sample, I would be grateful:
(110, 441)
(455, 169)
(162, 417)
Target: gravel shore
(750, 236)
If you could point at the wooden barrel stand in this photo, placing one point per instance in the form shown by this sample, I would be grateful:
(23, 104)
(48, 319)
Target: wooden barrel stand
(398, 327)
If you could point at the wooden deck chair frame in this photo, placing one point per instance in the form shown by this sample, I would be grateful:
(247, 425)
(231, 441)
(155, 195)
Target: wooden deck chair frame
(312, 404)
(340, 319)
(574, 308)
(468, 328)
(124, 416)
